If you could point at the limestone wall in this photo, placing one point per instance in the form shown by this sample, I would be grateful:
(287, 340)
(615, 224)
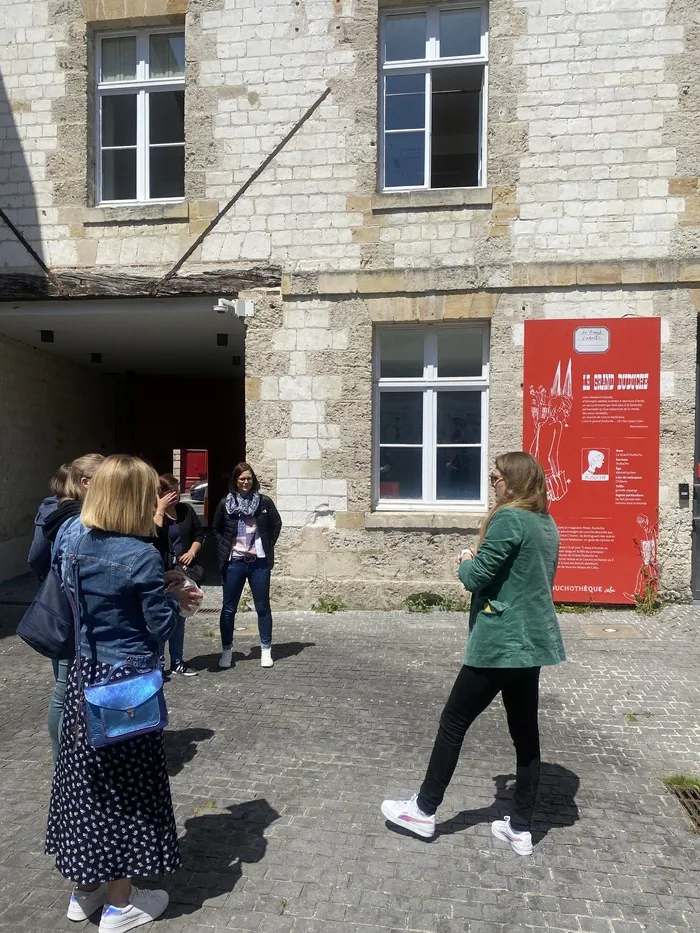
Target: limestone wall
(51, 412)
(592, 138)
(309, 417)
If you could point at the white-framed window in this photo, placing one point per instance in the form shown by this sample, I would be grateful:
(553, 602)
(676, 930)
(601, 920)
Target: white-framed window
(434, 72)
(431, 417)
(140, 119)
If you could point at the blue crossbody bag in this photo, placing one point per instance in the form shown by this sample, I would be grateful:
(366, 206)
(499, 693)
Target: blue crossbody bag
(116, 710)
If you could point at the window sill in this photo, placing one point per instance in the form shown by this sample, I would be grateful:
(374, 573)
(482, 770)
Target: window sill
(425, 521)
(136, 213)
(442, 199)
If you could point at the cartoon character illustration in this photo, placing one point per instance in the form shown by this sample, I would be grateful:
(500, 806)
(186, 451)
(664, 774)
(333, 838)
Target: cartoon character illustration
(596, 461)
(649, 550)
(550, 413)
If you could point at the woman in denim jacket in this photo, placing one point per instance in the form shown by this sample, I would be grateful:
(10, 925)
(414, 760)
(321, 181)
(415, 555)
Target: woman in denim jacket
(111, 815)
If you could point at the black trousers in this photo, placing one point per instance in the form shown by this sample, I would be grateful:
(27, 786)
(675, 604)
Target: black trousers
(474, 690)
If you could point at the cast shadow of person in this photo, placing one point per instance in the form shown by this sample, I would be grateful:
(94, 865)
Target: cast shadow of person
(181, 746)
(555, 806)
(214, 847)
(210, 662)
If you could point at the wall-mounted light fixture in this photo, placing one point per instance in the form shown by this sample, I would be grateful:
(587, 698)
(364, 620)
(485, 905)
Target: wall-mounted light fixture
(46, 336)
(222, 340)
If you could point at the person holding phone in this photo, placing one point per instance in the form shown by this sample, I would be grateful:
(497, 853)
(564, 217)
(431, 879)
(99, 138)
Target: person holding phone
(513, 633)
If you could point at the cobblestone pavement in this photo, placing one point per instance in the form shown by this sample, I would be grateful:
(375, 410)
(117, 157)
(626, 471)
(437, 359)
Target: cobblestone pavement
(277, 778)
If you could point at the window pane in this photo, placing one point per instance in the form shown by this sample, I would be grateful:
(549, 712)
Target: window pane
(167, 172)
(401, 473)
(456, 119)
(119, 120)
(166, 116)
(405, 37)
(401, 418)
(460, 352)
(405, 102)
(459, 418)
(460, 32)
(119, 59)
(404, 160)
(401, 353)
(458, 472)
(119, 175)
(167, 56)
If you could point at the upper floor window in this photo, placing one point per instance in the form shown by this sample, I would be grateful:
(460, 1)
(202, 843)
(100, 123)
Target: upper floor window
(430, 416)
(433, 97)
(140, 138)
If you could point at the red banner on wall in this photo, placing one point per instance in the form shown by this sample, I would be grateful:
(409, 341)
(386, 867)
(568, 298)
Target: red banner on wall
(592, 393)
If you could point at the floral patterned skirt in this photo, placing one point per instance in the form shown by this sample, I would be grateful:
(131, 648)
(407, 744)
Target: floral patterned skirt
(111, 814)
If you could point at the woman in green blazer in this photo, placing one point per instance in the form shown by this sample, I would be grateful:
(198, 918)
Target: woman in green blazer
(513, 632)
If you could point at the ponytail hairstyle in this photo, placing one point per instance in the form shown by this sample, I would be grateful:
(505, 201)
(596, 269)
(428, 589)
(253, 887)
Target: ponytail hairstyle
(57, 486)
(526, 486)
(80, 469)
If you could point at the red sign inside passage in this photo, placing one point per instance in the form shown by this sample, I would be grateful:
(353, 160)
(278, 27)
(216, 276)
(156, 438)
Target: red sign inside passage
(592, 395)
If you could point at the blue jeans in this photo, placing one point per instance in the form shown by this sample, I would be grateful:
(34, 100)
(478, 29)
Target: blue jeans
(234, 575)
(176, 644)
(60, 672)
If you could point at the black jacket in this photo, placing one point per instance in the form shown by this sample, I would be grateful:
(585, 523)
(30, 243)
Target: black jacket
(190, 531)
(225, 527)
(68, 508)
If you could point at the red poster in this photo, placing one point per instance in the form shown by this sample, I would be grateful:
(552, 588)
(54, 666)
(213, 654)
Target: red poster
(592, 395)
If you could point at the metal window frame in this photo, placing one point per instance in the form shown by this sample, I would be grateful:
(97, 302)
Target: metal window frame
(429, 384)
(141, 86)
(426, 66)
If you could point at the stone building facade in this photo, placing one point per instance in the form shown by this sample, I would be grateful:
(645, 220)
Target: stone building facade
(587, 204)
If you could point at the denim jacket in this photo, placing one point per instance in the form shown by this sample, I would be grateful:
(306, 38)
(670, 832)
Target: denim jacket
(125, 611)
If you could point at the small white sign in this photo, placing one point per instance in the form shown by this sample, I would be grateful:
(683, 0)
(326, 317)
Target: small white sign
(591, 340)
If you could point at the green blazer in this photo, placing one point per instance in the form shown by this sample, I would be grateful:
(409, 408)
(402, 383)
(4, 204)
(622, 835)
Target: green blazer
(512, 622)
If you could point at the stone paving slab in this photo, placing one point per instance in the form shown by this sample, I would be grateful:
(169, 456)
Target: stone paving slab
(277, 778)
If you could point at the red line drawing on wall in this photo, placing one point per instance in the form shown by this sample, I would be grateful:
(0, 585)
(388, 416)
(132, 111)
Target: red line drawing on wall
(551, 409)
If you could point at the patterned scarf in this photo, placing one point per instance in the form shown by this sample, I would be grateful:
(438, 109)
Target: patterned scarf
(242, 507)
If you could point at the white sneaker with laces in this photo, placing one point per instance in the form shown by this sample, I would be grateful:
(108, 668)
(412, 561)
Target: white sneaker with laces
(407, 814)
(83, 904)
(226, 657)
(266, 657)
(143, 907)
(519, 842)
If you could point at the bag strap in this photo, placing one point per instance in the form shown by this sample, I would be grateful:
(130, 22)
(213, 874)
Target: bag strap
(73, 596)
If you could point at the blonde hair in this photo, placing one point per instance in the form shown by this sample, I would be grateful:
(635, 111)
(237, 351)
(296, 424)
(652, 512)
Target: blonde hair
(82, 468)
(122, 497)
(526, 486)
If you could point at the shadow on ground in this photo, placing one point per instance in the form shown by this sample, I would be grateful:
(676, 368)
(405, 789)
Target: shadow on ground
(210, 662)
(556, 804)
(181, 745)
(214, 847)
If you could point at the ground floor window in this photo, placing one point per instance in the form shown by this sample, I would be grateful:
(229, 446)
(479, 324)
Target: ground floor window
(430, 416)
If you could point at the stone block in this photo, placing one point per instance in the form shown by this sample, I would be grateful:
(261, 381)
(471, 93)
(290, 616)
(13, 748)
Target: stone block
(365, 235)
(297, 449)
(293, 388)
(307, 412)
(310, 487)
(199, 210)
(599, 273)
(275, 448)
(196, 227)
(352, 521)
(327, 387)
(270, 390)
(306, 468)
(253, 388)
(470, 305)
(337, 284)
(357, 203)
(689, 271)
(678, 187)
(335, 487)
(314, 539)
(380, 282)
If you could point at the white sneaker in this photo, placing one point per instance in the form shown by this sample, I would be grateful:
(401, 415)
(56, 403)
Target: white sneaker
(266, 657)
(83, 904)
(407, 814)
(519, 842)
(226, 657)
(143, 907)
